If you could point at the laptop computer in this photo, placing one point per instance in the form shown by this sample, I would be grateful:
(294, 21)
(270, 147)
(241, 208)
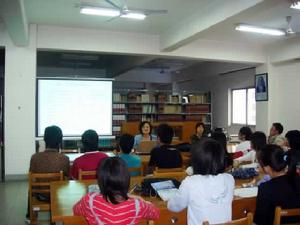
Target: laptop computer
(145, 147)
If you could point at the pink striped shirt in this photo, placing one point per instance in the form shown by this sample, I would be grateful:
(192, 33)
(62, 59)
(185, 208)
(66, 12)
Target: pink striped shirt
(97, 211)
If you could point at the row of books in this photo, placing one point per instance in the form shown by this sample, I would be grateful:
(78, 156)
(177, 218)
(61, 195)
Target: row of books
(197, 108)
(118, 119)
(204, 98)
(119, 108)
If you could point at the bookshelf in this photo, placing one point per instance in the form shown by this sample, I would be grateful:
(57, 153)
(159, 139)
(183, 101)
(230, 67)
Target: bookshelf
(158, 106)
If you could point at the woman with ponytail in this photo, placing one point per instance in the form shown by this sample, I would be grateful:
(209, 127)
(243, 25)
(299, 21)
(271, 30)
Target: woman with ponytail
(282, 190)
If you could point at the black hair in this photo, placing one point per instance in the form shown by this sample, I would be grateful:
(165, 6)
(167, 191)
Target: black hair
(126, 143)
(113, 179)
(278, 127)
(165, 133)
(247, 132)
(207, 157)
(258, 140)
(53, 137)
(198, 125)
(274, 157)
(142, 124)
(293, 137)
(220, 137)
(90, 140)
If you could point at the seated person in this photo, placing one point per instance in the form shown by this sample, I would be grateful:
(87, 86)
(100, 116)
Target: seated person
(164, 156)
(282, 190)
(91, 158)
(126, 144)
(113, 205)
(207, 194)
(50, 161)
(245, 146)
(145, 129)
(258, 141)
(200, 132)
(275, 136)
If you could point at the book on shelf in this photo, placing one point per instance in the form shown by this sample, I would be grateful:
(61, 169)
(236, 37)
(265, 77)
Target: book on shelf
(146, 98)
(149, 109)
(135, 108)
(172, 109)
(118, 119)
(197, 108)
(119, 108)
(203, 98)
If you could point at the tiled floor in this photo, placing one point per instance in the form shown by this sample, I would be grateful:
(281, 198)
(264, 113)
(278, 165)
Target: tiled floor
(13, 202)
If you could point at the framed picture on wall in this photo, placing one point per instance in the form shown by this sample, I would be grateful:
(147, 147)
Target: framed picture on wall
(261, 87)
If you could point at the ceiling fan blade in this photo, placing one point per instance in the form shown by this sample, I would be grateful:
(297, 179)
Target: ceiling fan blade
(149, 11)
(114, 5)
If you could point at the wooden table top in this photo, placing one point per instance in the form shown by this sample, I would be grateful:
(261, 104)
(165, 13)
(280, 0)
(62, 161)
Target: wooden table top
(64, 194)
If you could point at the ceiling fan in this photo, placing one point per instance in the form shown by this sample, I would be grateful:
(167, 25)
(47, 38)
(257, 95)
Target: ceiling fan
(289, 31)
(116, 11)
(125, 10)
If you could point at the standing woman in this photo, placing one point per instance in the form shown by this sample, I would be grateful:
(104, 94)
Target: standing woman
(145, 129)
(199, 132)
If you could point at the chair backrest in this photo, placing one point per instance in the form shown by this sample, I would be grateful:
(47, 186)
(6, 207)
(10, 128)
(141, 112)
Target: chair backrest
(75, 220)
(168, 170)
(40, 182)
(241, 207)
(244, 221)
(279, 212)
(170, 218)
(86, 175)
(178, 175)
(138, 170)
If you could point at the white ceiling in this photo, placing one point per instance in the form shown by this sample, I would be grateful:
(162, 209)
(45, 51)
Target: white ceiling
(65, 13)
(271, 13)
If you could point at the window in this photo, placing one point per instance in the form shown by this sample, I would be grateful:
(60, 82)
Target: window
(243, 106)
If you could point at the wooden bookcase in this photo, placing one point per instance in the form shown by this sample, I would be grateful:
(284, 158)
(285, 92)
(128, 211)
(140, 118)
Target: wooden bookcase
(159, 107)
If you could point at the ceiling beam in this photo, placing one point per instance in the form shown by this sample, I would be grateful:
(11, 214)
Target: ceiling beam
(14, 17)
(189, 29)
(119, 67)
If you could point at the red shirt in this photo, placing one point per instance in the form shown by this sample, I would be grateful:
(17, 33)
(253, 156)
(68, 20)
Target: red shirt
(98, 211)
(88, 161)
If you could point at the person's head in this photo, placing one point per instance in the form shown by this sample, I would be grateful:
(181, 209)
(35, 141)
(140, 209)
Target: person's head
(276, 129)
(113, 179)
(220, 137)
(200, 128)
(145, 128)
(207, 157)
(273, 159)
(293, 139)
(245, 134)
(126, 143)
(53, 137)
(258, 140)
(89, 141)
(165, 133)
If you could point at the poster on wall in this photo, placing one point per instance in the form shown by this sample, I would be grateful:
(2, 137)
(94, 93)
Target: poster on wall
(261, 87)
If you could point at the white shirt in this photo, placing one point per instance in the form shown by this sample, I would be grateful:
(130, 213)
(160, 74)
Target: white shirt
(248, 156)
(243, 146)
(208, 198)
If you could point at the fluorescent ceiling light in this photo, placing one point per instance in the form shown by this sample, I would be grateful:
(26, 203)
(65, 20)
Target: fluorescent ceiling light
(110, 12)
(137, 16)
(295, 5)
(260, 30)
(99, 11)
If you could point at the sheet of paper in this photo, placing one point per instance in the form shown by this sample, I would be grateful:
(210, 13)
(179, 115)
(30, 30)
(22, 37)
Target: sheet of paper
(246, 192)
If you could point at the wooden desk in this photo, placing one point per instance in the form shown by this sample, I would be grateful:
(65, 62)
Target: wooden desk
(64, 194)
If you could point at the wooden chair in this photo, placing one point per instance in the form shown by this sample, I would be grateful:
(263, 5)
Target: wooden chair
(170, 218)
(244, 221)
(279, 212)
(136, 169)
(241, 207)
(168, 170)
(85, 175)
(39, 183)
(75, 220)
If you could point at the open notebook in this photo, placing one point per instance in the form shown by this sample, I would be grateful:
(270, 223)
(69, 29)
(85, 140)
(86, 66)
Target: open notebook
(165, 189)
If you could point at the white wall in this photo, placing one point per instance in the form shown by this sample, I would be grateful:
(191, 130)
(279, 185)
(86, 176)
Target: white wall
(285, 107)
(19, 121)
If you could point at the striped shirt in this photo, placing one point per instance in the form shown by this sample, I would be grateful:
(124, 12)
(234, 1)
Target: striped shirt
(97, 211)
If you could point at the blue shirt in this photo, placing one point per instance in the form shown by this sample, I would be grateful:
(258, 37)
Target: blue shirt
(132, 161)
